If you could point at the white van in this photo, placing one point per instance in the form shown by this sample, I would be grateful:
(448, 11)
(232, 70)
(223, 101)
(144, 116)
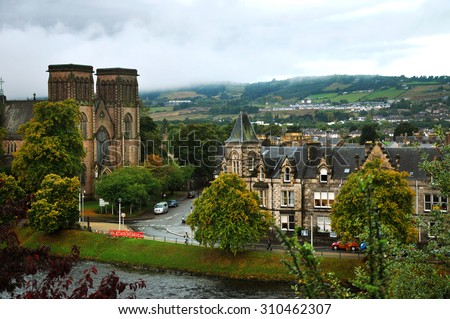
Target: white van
(161, 208)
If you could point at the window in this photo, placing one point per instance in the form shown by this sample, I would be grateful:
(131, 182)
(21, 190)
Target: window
(263, 197)
(251, 161)
(287, 222)
(83, 125)
(127, 129)
(287, 174)
(323, 175)
(435, 200)
(324, 224)
(235, 163)
(287, 198)
(261, 174)
(323, 199)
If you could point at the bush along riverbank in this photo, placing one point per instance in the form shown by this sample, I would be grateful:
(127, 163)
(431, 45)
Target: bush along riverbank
(149, 254)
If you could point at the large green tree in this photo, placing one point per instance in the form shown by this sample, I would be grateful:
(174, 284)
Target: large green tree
(171, 176)
(369, 133)
(196, 145)
(405, 128)
(10, 194)
(52, 143)
(56, 204)
(134, 185)
(228, 214)
(391, 198)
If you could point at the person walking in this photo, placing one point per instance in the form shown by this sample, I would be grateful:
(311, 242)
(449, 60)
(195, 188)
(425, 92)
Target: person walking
(186, 238)
(269, 244)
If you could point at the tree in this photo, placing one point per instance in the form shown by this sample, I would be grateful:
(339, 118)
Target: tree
(172, 176)
(310, 282)
(10, 194)
(228, 213)
(405, 128)
(133, 185)
(391, 196)
(52, 143)
(439, 169)
(56, 204)
(196, 145)
(369, 133)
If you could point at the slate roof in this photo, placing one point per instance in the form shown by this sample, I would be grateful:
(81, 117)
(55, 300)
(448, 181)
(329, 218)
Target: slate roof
(17, 113)
(341, 160)
(242, 131)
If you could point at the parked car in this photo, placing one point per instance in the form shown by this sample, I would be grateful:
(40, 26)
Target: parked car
(173, 203)
(191, 194)
(161, 208)
(339, 245)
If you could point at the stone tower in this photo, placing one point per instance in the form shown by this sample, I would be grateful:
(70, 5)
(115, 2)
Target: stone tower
(242, 148)
(109, 122)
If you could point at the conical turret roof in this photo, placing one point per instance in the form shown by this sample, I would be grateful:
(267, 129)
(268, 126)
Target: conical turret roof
(243, 131)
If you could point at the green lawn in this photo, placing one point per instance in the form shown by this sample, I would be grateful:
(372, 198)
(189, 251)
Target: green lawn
(150, 254)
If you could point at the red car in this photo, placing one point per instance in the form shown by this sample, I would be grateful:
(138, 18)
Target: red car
(339, 245)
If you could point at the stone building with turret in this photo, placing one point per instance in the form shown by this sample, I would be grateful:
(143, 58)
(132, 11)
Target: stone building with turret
(109, 110)
(299, 184)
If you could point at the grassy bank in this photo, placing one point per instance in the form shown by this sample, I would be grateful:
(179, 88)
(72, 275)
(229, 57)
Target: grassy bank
(150, 254)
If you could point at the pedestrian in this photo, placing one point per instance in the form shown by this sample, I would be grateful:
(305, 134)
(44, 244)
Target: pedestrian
(269, 244)
(186, 238)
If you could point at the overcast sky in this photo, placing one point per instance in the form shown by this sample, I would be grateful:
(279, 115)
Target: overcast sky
(181, 42)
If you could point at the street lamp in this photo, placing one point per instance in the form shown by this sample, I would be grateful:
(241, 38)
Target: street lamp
(312, 229)
(82, 206)
(120, 202)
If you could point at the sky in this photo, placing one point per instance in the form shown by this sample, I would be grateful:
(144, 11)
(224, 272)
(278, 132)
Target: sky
(176, 43)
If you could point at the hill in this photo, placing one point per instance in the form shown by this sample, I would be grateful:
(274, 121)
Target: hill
(206, 101)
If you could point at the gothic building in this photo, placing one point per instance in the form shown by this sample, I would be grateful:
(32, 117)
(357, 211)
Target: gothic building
(298, 184)
(109, 116)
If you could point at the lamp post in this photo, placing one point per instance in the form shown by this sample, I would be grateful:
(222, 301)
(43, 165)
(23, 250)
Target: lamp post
(312, 229)
(82, 205)
(120, 202)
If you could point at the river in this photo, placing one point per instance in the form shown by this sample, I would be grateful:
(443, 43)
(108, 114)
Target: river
(172, 285)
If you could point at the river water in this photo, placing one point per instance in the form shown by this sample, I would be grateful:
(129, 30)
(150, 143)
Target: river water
(171, 285)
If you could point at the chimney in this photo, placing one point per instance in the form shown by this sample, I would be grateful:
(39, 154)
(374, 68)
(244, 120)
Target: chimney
(356, 162)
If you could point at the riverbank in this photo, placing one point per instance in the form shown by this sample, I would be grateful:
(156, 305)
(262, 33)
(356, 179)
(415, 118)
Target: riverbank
(149, 254)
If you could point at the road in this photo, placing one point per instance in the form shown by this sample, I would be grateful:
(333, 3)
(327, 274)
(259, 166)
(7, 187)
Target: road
(167, 226)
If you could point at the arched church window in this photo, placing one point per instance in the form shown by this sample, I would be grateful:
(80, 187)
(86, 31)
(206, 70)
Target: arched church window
(127, 126)
(83, 125)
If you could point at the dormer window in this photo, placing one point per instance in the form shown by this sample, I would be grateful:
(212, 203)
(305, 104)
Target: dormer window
(323, 175)
(287, 175)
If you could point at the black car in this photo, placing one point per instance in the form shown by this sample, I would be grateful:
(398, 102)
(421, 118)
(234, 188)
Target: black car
(173, 203)
(191, 194)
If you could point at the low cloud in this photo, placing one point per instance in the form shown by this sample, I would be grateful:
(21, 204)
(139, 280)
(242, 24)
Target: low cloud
(182, 42)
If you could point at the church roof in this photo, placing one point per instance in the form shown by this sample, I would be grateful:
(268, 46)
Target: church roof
(15, 114)
(242, 131)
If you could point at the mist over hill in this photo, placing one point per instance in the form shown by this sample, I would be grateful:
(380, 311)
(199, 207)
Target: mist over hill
(300, 88)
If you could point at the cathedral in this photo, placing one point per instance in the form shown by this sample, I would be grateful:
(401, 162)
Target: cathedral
(109, 110)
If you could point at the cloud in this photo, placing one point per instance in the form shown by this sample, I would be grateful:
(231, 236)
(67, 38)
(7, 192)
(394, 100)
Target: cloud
(180, 42)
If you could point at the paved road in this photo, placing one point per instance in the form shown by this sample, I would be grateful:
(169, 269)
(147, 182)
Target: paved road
(167, 226)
